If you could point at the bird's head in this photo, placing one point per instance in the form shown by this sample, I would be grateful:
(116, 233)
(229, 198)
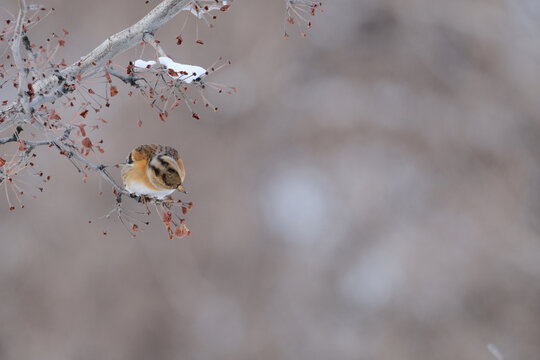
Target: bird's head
(166, 172)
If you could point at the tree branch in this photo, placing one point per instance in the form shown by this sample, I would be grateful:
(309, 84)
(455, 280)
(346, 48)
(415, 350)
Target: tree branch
(17, 57)
(149, 39)
(46, 90)
(128, 79)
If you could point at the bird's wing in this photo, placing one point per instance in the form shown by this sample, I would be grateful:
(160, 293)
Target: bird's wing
(171, 151)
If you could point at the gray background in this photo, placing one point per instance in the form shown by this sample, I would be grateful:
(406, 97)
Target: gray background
(371, 192)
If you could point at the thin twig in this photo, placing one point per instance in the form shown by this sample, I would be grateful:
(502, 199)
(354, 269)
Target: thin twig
(113, 46)
(128, 79)
(17, 57)
(149, 39)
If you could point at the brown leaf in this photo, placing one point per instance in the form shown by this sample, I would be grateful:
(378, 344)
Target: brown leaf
(2, 162)
(87, 143)
(113, 91)
(182, 231)
(130, 68)
(163, 115)
(54, 116)
(166, 218)
(84, 113)
(81, 127)
(175, 104)
(108, 76)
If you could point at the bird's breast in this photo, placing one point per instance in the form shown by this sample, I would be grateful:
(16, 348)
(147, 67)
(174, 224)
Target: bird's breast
(136, 181)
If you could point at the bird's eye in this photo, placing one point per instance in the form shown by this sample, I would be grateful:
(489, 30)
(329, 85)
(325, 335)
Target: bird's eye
(155, 169)
(171, 170)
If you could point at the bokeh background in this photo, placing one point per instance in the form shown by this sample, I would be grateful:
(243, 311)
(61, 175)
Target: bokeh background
(371, 192)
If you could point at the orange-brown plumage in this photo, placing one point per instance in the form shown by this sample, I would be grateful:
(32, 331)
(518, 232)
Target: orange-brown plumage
(154, 171)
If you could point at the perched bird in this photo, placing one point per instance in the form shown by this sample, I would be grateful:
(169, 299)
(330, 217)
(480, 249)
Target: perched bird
(154, 171)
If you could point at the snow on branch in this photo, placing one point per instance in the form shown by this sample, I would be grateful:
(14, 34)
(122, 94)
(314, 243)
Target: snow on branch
(44, 84)
(111, 47)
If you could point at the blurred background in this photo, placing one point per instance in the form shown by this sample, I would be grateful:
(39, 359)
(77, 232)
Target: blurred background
(371, 192)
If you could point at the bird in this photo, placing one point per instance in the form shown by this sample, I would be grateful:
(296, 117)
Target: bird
(154, 171)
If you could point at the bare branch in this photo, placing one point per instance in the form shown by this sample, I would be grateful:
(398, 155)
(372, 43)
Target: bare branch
(113, 46)
(117, 43)
(164, 87)
(128, 79)
(17, 57)
(149, 39)
(12, 138)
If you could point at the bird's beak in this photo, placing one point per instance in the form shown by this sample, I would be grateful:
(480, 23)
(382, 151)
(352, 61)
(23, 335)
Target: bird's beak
(181, 188)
